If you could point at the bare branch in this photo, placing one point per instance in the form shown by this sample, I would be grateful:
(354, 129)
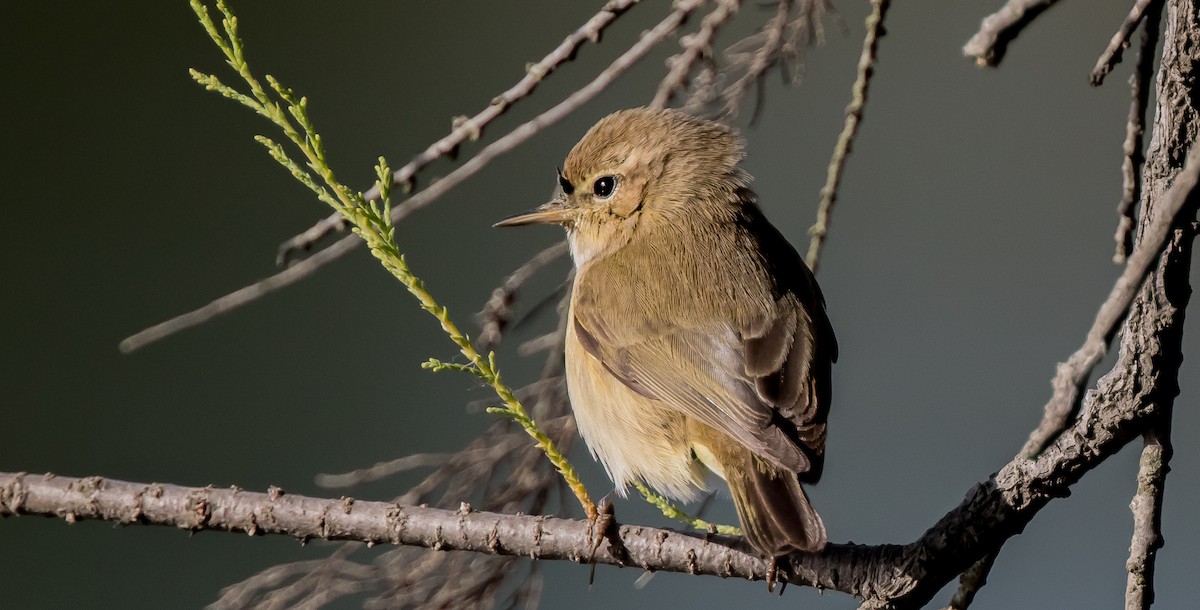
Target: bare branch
(854, 115)
(1073, 375)
(782, 40)
(971, 582)
(696, 47)
(1120, 41)
(988, 45)
(240, 297)
(769, 41)
(382, 470)
(497, 313)
(1147, 515)
(471, 129)
(1131, 164)
(305, 518)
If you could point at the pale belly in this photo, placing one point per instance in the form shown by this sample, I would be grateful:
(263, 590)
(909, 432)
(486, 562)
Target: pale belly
(634, 437)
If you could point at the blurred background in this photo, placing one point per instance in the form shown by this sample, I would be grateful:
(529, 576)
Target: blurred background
(969, 252)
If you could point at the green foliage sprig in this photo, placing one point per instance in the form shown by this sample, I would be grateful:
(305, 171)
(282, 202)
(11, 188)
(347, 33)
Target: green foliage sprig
(674, 512)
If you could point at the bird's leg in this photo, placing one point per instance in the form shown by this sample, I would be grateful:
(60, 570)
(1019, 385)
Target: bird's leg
(773, 574)
(602, 518)
(774, 567)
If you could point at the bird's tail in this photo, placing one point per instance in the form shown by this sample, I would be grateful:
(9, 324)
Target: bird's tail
(775, 513)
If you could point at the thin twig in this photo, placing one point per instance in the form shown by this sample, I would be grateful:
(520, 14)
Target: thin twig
(497, 313)
(971, 582)
(854, 115)
(505, 144)
(1072, 376)
(764, 57)
(1135, 128)
(696, 47)
(381, 470)
(988, 45)
(471, 129)
(1147, 514)
(241, 297)
(1120, 41)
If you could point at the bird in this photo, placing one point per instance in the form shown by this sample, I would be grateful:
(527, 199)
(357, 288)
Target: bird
(697, 340)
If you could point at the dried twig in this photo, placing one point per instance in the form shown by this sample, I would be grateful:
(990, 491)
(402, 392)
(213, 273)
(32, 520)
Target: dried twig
(382, 470)
(989, 44)
(697, 47)
(781, 40)
(497, 313)
(240, 297)
(1147, 515)
(1131, 164)
(1120, 41)
(854, 114)
(971, 582)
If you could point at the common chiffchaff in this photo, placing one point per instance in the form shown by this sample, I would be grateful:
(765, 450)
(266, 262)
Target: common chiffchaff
(697, 338)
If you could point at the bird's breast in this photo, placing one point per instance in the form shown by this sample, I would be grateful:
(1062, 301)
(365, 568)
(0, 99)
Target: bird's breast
(634, 437)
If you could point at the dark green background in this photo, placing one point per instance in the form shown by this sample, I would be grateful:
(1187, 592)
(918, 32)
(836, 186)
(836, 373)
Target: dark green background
(968, 255)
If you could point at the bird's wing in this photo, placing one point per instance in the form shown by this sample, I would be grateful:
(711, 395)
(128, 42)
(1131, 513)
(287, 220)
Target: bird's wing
(765, 383)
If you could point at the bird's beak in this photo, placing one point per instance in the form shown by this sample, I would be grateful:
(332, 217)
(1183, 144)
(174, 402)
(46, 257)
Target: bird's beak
(554, 212)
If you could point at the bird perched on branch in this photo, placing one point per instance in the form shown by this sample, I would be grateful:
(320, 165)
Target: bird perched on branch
(697, 338)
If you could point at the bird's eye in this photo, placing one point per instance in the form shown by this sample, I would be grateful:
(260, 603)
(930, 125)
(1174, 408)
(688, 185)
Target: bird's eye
(604, 186)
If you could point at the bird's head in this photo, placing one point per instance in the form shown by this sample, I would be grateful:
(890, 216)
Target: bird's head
(641, 167)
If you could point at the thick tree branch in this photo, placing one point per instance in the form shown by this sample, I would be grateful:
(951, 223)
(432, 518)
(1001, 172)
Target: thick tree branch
(302, 517)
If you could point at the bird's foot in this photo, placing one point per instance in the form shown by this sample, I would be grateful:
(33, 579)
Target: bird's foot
(599, 523)
(773, 570)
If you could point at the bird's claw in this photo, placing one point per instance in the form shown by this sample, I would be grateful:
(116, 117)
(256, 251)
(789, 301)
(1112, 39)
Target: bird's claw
(601, 518)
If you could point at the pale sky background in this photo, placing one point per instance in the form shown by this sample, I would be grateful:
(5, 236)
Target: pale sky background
(969, 252)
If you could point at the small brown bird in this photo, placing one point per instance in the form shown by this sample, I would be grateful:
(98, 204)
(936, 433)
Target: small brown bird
(697, 338)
